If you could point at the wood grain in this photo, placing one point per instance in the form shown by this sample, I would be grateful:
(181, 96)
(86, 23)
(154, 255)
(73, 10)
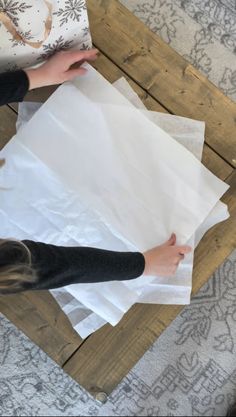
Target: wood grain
(7, 125)
(164, 74)
(42, 327)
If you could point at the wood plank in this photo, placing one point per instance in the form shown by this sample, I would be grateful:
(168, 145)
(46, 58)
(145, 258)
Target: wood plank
(7, 125)
(159, 70)
(46, 305)
(215, 163)
(42, 327)
(108, 355)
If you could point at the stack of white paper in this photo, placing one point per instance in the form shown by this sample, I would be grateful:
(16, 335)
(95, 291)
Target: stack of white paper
(91, 169)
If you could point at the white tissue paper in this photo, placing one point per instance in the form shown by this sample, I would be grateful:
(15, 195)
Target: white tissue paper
(189, 133)
(102, 174)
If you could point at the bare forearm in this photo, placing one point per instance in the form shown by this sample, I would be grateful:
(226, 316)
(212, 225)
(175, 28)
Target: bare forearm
(63, 66)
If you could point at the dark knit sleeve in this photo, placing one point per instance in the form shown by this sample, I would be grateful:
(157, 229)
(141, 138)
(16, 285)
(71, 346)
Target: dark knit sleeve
(13, 86)
(58, 266)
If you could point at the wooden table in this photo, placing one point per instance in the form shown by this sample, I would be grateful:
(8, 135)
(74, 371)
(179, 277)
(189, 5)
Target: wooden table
(167, 83)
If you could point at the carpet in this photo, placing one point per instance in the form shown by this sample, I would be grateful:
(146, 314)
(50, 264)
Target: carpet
(191, 369)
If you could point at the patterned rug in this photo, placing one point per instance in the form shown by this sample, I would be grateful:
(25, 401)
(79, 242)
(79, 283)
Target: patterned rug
(191, 369)
(202, 31)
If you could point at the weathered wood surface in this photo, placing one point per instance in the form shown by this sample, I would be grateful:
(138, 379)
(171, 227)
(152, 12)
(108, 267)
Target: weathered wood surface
(163, 73)
(7, 125)
(165, 82)
(41, 319)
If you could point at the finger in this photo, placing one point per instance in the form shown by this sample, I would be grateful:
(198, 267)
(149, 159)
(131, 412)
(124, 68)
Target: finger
(182, 250)
(77, 56)
(179, 257)
(173, 238)
(171, 241)
(91, 58)
(70, 75)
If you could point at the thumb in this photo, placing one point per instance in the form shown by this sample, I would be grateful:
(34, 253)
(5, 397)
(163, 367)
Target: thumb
(184, 249)
(171, 241)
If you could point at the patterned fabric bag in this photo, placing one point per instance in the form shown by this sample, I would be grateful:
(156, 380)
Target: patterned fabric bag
(32, 30)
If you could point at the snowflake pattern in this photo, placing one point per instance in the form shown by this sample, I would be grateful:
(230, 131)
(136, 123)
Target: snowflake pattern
(24, 35)
(72, 10)
(85, 46)
(12, 67)
(59, 45)
(12, 9)
(63, 36)
(86, 32)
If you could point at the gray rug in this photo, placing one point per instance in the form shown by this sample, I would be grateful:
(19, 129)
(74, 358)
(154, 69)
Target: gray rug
(191, 369)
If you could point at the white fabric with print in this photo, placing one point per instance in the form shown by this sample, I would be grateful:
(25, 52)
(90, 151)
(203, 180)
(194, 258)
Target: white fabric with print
(32, 30)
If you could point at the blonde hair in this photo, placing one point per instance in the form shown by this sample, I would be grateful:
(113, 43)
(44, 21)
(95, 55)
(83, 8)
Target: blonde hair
(13, 275)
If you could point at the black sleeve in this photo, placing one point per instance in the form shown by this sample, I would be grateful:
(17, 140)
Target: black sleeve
(13, 86)
(58, 266)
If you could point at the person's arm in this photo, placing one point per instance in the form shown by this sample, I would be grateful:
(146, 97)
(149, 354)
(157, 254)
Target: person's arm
(58, 266)
(13, 86)
(58, 69)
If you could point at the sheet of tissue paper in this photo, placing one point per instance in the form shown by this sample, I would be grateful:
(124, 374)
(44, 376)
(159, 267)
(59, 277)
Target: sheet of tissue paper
(189, 133)
(104, 175)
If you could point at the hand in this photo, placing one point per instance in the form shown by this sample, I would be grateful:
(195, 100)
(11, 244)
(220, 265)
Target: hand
(58, 69)
(164, 259)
